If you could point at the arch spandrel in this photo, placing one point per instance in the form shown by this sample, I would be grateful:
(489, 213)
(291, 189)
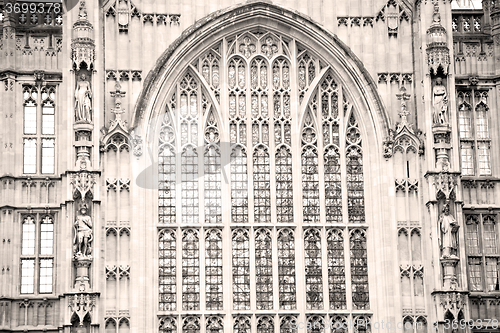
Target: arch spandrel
(196, 40)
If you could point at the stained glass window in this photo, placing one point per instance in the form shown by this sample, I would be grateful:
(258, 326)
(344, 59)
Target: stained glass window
(354, 162)
(359, 269)
(286, 269)
(314, 279)
(310, 175)
(190, 270)
(167, 325)
(167, 171)
(241, 269)
(336, 269)
(264, 269)
(212, 177)
(168, 270)
(261, 184)
(265, 324)
(338, 324)
(241, 324)
(306, 72)
(213, 269)
(189, 188)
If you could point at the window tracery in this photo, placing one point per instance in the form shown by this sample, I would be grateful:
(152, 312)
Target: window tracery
(264, 269)
(241, 324)
(241, 269)
(288, 324)
(258, 101)
(214, 324)
(167, 325)
(191, 324)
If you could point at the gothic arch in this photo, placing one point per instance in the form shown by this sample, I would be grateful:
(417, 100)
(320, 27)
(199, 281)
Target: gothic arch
(348, 69)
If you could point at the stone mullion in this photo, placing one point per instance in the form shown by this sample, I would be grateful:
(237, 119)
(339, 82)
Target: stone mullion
(178, 273)
(201, 155)
(250, 146)
(272, 145)
(275, 268)
(324, 269)
(253, 290)
(202, 273)
(118, 231)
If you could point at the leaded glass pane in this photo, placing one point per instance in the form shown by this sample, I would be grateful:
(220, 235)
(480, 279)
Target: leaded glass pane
(28, 241)
(354, 163)
(47, 236)
(239, 186)
(212, 177)
(213, 269)
(167, 171)
(310, 175)
(467, 157)
(475, 274)
(29, 156)
(286, 269)
(48, 156)
(490, 234)
(167, 270)
(492, 275)
(261, 185)
(464, 121)
(189, 186)
(333, 185)
(46, 275)
(484, 157)
(284, 190)
(27, 276)
(472, 234)
(359, 269)
(482, 130)
(190, 270)
(336, 269)
(264, 269)
(241, 269)
(314, 279)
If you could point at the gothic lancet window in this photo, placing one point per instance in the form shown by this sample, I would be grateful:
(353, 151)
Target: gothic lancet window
(213, 269)
(314, 279)
(190, 270)
(241, 269)
(246, 89)
(264, 269)
(168, 269)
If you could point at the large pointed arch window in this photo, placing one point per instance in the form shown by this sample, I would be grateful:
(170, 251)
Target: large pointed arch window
(261, 170)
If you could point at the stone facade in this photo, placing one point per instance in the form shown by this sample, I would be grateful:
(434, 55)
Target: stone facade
(141, 189)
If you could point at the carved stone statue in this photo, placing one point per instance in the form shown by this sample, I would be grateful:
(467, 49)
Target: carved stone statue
(83, 100)
(448, 229)
(83, 234)
(439, 103)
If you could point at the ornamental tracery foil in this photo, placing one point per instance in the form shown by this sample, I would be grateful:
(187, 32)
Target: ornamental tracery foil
(247, 90)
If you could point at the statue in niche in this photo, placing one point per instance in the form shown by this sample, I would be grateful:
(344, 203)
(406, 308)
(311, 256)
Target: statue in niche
(436, 17)
(448, 232)
(83, 234)
(83, 100)
(439, 103)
